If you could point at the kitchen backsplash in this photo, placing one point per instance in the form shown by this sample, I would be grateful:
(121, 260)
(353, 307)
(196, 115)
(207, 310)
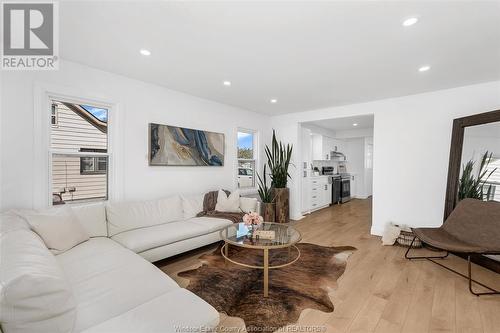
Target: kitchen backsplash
(321, 164)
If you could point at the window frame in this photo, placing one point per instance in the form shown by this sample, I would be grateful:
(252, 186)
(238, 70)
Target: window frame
(44, 93)
(255, 159)
(81, 153)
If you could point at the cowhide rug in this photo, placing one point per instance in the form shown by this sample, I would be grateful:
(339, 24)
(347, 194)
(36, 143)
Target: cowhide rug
(238, 291)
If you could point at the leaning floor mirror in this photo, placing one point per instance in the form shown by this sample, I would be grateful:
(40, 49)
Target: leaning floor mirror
(474, 167)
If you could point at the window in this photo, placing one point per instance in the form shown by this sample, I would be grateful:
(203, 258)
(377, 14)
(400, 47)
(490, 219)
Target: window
(79, 152)
(247, 157)
(93, 165)
(493, 183)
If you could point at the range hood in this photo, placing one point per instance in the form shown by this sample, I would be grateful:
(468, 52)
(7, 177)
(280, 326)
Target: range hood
(337, 155)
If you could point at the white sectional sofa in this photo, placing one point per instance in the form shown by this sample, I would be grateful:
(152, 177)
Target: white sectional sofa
(102, 285)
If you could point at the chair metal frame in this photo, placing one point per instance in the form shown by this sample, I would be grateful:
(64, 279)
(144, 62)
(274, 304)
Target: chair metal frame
(468, 277)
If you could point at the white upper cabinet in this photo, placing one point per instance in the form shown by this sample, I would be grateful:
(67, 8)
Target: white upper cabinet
(323, 146)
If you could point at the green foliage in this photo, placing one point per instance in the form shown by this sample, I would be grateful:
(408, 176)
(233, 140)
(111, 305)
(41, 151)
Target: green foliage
(264, 190)
(246, 153)
(472, 187)
(278, 160)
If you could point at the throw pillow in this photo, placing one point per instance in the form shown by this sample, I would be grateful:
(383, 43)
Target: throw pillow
(230, 204)
(248, 205)
(58, 228)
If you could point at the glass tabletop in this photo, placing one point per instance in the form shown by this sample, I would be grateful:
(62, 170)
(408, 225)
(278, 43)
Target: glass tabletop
(264, 235)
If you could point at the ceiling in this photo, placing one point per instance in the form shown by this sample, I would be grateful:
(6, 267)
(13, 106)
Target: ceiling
(307, 55)
(344, 124)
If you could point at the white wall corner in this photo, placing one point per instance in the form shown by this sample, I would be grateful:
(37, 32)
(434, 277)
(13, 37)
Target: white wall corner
(377, 230)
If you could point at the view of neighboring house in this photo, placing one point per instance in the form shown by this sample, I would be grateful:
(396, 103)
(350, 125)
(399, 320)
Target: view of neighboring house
(79, 141)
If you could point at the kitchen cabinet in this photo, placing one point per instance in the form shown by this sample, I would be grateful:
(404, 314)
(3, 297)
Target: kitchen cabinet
(322, 146)
(319, 193)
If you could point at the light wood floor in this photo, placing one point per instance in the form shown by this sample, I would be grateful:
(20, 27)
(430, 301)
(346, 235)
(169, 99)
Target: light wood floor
(380, 291)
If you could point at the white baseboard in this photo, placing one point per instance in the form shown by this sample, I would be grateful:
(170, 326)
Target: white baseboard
(377, 230)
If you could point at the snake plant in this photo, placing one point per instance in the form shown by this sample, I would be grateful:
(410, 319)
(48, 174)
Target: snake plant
(278, 160)
(472, 187)
(265, 192)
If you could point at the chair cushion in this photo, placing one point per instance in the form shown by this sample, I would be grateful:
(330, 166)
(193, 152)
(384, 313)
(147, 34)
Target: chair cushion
(476, 222)
(441, 239)
(143, 239)
(108, 280)
(35, 294)
(210, 223)
(170, 312)
(127, 216)
(93, 218)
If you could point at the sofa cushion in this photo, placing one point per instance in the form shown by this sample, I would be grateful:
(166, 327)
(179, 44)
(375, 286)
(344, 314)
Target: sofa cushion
(176, 311)
(35, 294)
(192, 204)
(109, 280)
(58, 227)
(248, 205)
(229, 203)
(127, 216)
(210, 223)
(10, 221)
(93, 218)
(143, 239)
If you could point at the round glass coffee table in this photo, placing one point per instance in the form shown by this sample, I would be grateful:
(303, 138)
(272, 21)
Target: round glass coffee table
(266, 236)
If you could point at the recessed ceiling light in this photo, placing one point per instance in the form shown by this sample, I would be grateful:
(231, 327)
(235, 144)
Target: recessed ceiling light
(410, 21)
(355, 124)
(424, 68)
(274, 101)
(226, 83)
(145, 52)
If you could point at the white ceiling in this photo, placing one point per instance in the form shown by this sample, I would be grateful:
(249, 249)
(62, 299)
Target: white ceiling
(344, 124)
(306, 54)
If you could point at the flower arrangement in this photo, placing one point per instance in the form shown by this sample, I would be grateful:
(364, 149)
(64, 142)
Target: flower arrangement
(252, 219)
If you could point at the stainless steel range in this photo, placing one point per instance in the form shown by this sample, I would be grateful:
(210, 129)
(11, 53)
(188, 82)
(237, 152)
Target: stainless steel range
(341, 188)
(345, 188)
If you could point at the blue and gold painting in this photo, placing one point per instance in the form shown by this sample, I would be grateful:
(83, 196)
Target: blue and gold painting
(179, 146)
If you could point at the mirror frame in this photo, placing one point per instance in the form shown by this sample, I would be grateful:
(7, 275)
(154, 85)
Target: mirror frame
(457, 141)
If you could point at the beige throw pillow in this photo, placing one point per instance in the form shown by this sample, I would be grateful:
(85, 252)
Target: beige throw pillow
(230, 204)
(58, 228)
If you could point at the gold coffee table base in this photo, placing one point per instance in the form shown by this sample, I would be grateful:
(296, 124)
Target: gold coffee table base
(225, 249)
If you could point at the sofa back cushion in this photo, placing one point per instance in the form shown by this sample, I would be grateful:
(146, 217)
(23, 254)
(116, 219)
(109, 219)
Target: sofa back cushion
(11, 221)
(58, 227)
(192, 204)
(35, 295)
(133, 215)
(93, 218)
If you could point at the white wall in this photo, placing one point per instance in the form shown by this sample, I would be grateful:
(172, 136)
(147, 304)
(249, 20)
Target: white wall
(355, 152)
(411, 149)
(139, 104)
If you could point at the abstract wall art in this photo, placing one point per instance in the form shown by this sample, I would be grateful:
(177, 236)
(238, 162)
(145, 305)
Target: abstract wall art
(179, 146)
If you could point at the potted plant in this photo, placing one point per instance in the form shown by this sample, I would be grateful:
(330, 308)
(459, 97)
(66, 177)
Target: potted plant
(266, 198)
(472, 187)
(278, 160)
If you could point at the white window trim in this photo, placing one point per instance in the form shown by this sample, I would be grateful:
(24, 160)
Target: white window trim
(256, 155)
(42, 175)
